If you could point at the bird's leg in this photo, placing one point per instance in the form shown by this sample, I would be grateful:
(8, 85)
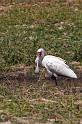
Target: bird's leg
(48, 74)
(55, 77)
(56, 81)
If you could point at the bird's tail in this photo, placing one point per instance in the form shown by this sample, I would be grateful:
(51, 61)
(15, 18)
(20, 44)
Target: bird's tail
(72, 74)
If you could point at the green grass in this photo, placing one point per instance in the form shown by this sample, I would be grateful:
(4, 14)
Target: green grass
(55, 27)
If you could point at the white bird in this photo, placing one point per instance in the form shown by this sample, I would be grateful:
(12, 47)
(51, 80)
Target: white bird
(54, 65)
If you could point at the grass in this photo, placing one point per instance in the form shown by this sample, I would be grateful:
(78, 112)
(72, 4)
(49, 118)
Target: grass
(42, 104)
(57, 27)
(39, 102)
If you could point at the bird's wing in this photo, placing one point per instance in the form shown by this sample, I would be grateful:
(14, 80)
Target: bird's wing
(58, 67)
(55, 60)
(61, 59)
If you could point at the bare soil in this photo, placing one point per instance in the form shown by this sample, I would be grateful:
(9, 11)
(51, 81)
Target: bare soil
(27, 77)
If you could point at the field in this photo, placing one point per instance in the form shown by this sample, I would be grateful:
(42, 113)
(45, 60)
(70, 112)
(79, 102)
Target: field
(25, 26)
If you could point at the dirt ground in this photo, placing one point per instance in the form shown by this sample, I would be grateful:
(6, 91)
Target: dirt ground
(27, 77)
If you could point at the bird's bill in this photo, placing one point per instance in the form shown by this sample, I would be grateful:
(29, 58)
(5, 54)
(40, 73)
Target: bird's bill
(37, 65)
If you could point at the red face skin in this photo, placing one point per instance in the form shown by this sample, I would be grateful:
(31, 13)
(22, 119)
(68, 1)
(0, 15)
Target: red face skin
(39, 54)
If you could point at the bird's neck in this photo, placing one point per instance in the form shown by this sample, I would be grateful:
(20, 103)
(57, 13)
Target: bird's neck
(40, 61)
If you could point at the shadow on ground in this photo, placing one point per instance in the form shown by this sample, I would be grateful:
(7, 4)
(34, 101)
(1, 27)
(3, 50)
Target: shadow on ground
(29, 78)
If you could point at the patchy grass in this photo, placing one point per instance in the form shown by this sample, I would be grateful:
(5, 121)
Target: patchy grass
(22, 99)
(57, 27)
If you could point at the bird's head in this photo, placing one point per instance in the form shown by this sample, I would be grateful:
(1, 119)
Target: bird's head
(39, 56)
(40, 53)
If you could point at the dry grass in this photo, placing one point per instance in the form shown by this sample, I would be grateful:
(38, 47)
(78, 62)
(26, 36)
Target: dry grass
(28, 98)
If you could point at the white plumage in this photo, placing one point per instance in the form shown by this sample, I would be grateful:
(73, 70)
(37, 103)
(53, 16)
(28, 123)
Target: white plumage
(54, 65)
(58, 66)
